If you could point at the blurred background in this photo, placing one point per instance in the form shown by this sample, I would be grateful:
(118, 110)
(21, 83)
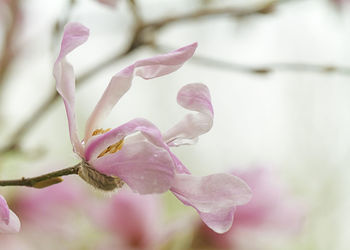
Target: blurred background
(278, 73)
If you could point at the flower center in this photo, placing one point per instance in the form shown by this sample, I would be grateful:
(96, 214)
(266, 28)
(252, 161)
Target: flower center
(94, 177)
(111, 148)
(99, 180)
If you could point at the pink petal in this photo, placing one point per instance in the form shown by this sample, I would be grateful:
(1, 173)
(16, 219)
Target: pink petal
(9, 222)
(194, 97)
(164, 64)
(13, 226)
(120, 83)
(4, 210)
(179, 166)
(98, 143)
(74, 35)
(117, 87)
(221, 221)
(214, 197)
(145, 167)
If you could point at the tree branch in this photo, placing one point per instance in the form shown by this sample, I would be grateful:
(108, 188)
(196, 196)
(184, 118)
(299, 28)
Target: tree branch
(7, 48)
(272, 67)
(263, 69)
(143, 35)
(264, 8)
(42, 180)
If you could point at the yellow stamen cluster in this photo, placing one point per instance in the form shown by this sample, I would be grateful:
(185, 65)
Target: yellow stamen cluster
(110, 149)
(100, 131)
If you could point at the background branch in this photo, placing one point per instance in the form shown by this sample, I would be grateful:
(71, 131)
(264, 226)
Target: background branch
(271, 67)
(263, 69)
(7, 48)
(143, 35)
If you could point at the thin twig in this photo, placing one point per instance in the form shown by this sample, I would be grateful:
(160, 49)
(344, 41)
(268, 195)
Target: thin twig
(7, 50)
(136, 12)
(42, 180)
(272, 67)
(265, 8)
(263, 69)
(143, 35)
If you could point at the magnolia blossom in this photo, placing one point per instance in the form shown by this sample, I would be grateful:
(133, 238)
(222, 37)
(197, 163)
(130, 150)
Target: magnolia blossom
(9, 222)
(272, 209)
(136, 152)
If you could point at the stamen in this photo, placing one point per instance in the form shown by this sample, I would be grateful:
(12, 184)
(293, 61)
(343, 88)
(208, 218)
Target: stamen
(111, 148)
(100, 131)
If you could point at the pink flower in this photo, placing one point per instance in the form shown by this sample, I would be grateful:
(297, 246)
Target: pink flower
(57, 204)
(340, 3)
(9, 222)
(271, 208)
(132, 220)
(144, 161)
(56, 212)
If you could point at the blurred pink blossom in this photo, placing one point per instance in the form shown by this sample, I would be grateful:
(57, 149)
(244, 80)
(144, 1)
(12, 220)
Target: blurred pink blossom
(144, 161)
(132, 221)
(57, 203)
(341, 4)
(51, 218)
(9, 222)
(271, 208)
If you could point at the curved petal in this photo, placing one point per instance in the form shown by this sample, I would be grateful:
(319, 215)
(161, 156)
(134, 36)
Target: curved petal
(145, 167)
(194, 97)
(221, 221)
(214, 197)
(13, 226)
(120, 83)
(4, 210)
(9, 222)
(180, 167)
(74, 35)
(98, 143)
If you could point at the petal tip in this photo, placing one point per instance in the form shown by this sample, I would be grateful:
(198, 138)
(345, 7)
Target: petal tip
(190, 49)
(76, 29)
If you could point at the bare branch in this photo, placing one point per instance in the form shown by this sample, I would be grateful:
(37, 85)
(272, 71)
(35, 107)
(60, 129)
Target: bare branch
(265, 8)
(143, 35)
(136, 13)
(43, 181)
(263, 69)
(7, 50)
(272, 67)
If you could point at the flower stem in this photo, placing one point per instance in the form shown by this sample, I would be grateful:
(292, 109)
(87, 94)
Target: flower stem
(42, 181)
